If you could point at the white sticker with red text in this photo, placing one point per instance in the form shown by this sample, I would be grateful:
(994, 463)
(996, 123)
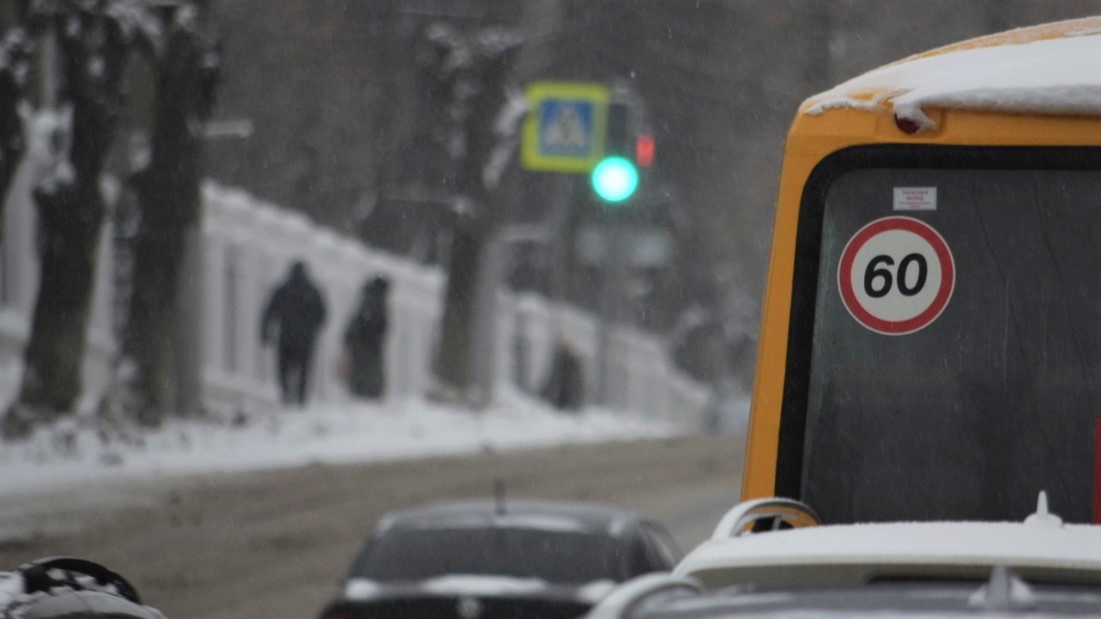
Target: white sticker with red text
(915, 198)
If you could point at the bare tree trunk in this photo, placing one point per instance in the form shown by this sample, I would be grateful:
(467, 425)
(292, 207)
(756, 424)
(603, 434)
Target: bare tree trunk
(71, 221)
(169, 202)
(12, 142)
(15, 51)
(169, 199)
(71, 212)
(455, 364)
(480, 203)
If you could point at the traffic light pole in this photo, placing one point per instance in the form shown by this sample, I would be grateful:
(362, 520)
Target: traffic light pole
(613, 273)
(614, 181)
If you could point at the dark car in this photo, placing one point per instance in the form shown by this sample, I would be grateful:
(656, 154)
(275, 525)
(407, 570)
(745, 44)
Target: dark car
(69, 588)
(484, 560)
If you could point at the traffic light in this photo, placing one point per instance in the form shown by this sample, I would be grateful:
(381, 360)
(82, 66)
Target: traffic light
(615, 177)
(644, 150)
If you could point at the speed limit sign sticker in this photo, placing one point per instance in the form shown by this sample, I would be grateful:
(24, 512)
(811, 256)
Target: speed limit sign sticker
(896, 275)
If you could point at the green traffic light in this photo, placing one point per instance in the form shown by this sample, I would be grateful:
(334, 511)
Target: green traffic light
(614, 179)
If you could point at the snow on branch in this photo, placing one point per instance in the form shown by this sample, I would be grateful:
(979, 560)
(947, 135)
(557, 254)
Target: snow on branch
(507, 131)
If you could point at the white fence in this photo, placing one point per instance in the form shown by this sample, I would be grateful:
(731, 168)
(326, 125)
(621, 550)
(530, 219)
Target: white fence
(245, 248)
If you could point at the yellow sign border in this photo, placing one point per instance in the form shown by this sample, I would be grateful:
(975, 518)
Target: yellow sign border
(537, 93)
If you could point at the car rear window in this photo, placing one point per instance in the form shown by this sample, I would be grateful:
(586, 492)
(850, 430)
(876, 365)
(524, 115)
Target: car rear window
(553, 556)
(993, 399)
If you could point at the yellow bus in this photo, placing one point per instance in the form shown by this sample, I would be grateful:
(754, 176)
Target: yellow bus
(931, 332)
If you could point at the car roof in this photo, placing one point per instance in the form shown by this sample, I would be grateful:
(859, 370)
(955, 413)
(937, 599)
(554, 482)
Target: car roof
(1042, 547)
(70, 604)
(929, 599)
(526, 514)
(855, 554)
(771, 557)
(69, 587)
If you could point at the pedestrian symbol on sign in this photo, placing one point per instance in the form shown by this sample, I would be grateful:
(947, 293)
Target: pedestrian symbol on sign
(567, 127)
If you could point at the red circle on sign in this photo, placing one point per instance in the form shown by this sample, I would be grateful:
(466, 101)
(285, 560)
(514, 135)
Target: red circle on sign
(940, 300)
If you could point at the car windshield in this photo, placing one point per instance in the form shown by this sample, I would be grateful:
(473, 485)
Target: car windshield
(552, 556)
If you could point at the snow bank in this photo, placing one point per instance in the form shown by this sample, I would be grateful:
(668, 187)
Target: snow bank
(79, 451)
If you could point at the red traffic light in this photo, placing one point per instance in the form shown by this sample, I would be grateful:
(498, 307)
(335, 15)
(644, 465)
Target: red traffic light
(644, 150)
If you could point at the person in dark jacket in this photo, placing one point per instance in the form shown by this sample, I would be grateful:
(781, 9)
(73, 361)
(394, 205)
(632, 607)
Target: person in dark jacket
(564, 387)
(364, 341)
(295, 312)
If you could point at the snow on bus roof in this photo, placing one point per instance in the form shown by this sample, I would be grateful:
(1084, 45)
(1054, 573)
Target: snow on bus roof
(1048, 69)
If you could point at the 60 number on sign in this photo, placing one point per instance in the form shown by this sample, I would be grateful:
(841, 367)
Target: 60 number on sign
(896, 275)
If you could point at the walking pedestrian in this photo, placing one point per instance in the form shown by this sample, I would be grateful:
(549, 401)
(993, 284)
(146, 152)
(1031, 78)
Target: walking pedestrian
(293, 318)
(364, 341)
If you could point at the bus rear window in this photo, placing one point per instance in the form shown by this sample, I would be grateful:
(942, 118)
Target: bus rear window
(922, 405)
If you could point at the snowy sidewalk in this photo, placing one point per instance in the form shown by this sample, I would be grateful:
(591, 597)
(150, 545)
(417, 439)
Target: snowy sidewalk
(328, 434)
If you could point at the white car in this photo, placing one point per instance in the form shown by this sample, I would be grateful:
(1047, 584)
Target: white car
(771, 558)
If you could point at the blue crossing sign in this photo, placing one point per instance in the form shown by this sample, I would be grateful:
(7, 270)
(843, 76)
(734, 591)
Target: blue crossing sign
(565, 126)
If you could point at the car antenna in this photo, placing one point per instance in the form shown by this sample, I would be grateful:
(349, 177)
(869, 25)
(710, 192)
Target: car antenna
(499, 496)
(1043, 517)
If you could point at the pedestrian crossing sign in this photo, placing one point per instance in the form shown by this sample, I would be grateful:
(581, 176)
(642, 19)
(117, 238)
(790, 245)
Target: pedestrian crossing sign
(565, 126)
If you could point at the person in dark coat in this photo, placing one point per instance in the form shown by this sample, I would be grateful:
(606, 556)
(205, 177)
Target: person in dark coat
(293, 318)
(364, 341)
(564, 387)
